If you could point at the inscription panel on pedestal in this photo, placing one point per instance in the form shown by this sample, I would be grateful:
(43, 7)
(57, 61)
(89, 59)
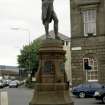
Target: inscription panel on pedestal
(48, 67)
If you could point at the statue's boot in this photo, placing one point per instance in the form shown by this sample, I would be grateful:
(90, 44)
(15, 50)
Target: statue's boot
(57, 37)
(48, 36)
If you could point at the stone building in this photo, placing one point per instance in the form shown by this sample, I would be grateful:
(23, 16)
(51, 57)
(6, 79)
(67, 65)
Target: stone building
(9, 71)
(87, 41)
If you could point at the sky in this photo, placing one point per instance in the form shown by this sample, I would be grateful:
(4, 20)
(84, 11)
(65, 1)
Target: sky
(25, 16)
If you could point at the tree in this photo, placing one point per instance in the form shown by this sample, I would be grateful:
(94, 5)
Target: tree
(28, 58)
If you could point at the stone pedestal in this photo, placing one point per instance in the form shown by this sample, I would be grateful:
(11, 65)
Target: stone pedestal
(51, 87)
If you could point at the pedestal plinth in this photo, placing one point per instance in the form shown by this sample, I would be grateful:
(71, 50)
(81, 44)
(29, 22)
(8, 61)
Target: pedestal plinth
(51, 87)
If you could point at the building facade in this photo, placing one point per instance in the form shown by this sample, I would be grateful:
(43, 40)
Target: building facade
(66, 47)
(9, 71)
(87, 41)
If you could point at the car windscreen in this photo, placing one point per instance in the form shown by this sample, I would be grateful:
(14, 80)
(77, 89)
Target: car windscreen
(96, 85)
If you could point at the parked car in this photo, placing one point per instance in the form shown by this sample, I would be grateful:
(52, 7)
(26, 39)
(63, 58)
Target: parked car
(1, 84)
(13, 84)
(100, 94)
(8, 81)
(4, 82)
(86, 89)
(18, 82)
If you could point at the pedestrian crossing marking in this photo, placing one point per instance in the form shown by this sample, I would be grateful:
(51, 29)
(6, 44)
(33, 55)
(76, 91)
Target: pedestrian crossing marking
(4, 98)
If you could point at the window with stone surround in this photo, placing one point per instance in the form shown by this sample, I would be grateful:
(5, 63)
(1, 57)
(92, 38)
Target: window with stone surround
(91, 74)
(89, 20)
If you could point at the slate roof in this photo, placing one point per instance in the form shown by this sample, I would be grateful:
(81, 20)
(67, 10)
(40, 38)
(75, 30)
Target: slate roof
(62, 37)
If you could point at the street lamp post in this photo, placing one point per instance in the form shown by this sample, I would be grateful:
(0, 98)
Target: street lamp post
(28, 31)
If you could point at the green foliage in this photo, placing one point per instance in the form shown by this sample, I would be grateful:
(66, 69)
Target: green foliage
(28, 58)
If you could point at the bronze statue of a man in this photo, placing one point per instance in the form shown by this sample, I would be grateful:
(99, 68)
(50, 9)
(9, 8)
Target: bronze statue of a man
(48, 14)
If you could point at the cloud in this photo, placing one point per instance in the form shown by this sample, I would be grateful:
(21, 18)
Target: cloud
(26, 14)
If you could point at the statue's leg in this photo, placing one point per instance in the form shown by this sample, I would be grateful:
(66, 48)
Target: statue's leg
(56, 28)
(47, 29)
(55, 25)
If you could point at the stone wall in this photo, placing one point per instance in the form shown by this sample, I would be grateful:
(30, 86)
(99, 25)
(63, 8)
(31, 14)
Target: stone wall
(93, 46)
